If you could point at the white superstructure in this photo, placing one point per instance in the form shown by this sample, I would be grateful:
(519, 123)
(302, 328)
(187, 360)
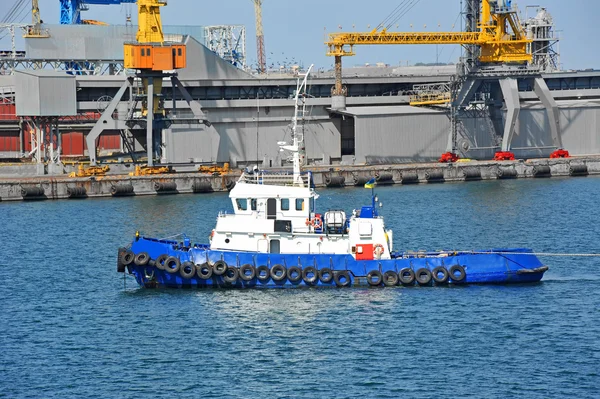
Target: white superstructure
(275, 213)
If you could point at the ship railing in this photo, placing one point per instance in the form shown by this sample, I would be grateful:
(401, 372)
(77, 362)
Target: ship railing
(274, 179)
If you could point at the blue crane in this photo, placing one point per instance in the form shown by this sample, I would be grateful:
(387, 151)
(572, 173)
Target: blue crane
(70, 10)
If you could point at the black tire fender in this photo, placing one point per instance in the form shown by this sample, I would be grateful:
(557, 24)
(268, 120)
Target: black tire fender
(310, 275)
(390, 278)
(127, 257)
(374, 278)
(263, 274)
(141, 259)
(407, 276)
(435, 274)
(458, 273)
(294, 274)
(231, 275)
(187, 270)
(160, 261)
(326, 275)
(120, 265)
(247, 272)
(220, 267)
(423, 276)
(278, 273)
(342, 278)
(172, 265)
(204, 271)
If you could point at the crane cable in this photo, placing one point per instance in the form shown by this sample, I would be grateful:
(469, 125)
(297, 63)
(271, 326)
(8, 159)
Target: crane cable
(15, 14)
(400, 11)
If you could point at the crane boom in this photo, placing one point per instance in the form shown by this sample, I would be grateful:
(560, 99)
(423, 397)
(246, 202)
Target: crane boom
(498, 43)
(260, 37)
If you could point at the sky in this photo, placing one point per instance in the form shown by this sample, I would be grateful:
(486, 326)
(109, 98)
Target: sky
(296, 30)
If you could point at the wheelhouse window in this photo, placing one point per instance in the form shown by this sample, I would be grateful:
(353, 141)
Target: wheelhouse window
(285, 204)
(299, 204)
(253, 204)
(242, 204)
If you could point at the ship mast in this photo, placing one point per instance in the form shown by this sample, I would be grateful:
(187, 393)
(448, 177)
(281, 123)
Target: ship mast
(297, 148)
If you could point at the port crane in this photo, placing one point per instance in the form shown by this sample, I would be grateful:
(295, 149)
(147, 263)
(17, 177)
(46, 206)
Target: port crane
(70, 10)
(154, 60)
(497, 49)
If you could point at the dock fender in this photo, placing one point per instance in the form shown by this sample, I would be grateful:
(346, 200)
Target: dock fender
(440, 275)
(142, 259)
(310, 275)
(423, 276)
(204, 271)
(172, 265)
(187, 270)
(325, 275)
(278, 272)
(160, 261)
(342, 278)
(247, 272)
(263, 273)
(390, 278)
(457, 273)
(374, 278)
(294, 274)
(220, 267)
(407, 276)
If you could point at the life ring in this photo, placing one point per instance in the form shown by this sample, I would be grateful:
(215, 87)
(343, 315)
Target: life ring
(440, 279)
(342, 278)
(317, 223)
(407, 276)
(310, 275)
(204, 271)
(172, 264)
(127, 257)
(263, 273)
(377, 254)
(294, 274)
(187, 270)
(141, 259)
(423, 276)
(374, 278)
(231, 275)
(220, 267)
(390, 278)
(247, 272)
(325, 275)
(278, 273)
(160, 261)
(462, 274)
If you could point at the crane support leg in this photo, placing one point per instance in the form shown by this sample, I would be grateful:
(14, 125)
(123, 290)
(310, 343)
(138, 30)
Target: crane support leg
(338, 94)
(542, 91)
(106, 121)
(150, 122)
(510, 91)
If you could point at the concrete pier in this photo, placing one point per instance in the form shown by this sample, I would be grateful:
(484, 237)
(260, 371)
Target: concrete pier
(62, 187)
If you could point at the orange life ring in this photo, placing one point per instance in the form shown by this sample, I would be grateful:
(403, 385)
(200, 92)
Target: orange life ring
(377, 246)
(317, 222)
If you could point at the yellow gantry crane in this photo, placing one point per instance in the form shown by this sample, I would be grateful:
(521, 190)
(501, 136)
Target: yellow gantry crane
(500, 36)
(260, 37)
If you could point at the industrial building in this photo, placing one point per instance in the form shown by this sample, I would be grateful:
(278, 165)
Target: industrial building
(53, 94)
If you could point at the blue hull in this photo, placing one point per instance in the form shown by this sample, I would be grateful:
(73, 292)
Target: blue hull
(498, 266)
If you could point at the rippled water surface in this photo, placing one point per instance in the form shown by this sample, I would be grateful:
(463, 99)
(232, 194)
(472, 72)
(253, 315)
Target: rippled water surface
(70, 326)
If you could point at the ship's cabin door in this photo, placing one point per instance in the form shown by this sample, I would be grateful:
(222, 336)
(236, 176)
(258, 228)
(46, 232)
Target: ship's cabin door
(271, 208)
(274, 247)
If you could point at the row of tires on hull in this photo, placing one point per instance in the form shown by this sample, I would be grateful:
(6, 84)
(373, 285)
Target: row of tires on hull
(280, 274)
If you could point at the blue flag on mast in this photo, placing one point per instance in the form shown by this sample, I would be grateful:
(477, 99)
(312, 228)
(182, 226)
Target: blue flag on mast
(370, 183)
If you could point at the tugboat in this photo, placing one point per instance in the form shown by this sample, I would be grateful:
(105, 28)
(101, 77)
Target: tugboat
(276, 238)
